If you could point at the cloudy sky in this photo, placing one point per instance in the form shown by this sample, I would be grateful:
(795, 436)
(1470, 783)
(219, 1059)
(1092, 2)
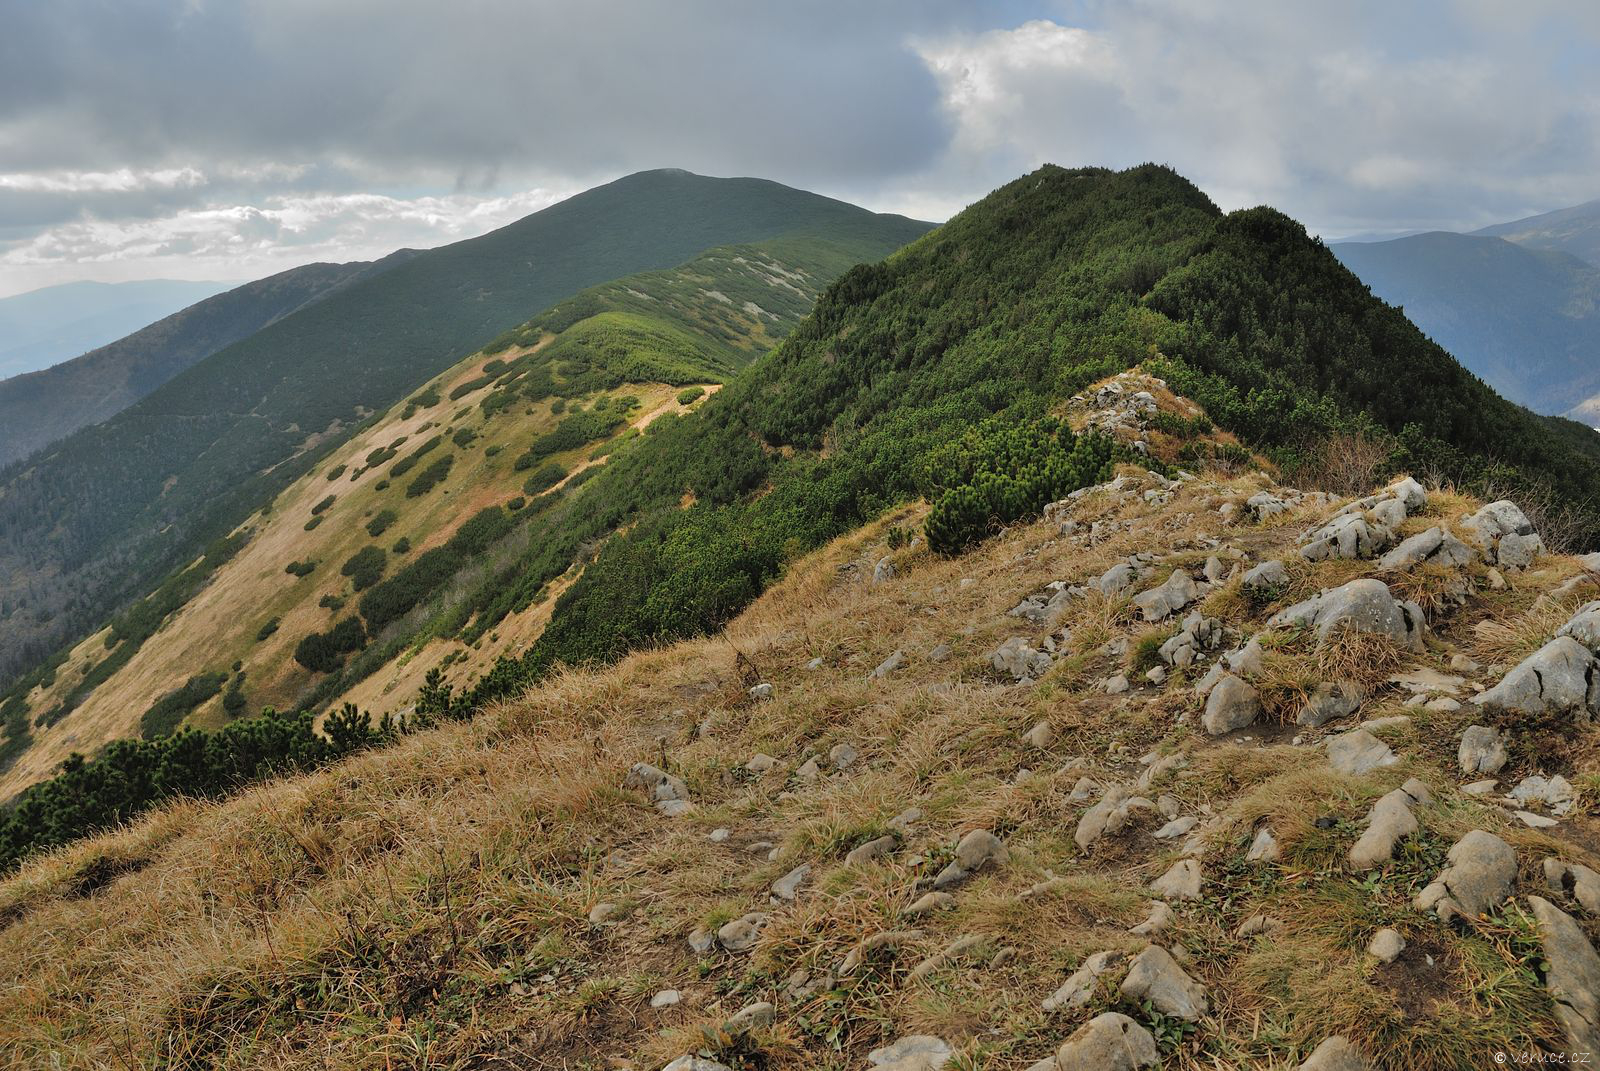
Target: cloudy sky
(227, 139)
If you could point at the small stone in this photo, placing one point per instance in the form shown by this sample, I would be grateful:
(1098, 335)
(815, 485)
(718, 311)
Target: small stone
(788, 886)
(1258, 924)
(1232, 704)
(1480, 875)
(601, 912)
(1536, 821)
(667, 998)
(1335, 1054)
(814, 664)
(757, 1016)
(1117, 684)
(883, 571)
(1575, 880)
(1460, 663)
(1177, 828)
(1386, 945)
(701, 940)
(740, 934)
(1160, 918)
(1264, 849)
(872, 850)
(720, 835)
(692, 1062)
(940, 653)
(761, 691)
(1155, 976)
(1108, 1042)
(888, 665)
(842, 756)
(918, 1052)
(1040, 736)
(1358, 752)
(930, 902)
(1181, 882)
(760, 763)
(1078, 989)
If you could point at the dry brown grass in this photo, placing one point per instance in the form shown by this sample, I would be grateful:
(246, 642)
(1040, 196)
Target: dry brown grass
(426, 906)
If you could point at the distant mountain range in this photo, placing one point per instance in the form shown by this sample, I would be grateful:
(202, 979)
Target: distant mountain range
(38, 408)
(43, 327)
(1517, 303)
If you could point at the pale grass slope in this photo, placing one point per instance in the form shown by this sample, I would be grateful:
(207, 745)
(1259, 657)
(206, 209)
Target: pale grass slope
(427, 905)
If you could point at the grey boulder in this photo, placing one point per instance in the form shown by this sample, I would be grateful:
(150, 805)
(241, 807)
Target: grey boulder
(1364, 605)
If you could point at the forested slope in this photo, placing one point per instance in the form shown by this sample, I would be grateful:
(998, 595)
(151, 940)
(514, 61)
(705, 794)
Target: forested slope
(97, 518)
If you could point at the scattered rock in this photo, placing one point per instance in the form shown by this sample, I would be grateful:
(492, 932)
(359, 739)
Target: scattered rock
(1268, 576)
(940, 653)
(1574, 880)
(976, 850)
(1177, 828)
(1016, 659)
(695, 1063)
(1556, 793)
(667, 998)
(883, 571)
(701, 940)
(760, 763)
(757, 1016)
(1155, 976)
(950, 953)
(1078, 990)
(873, 850)
(1040, 736)
(788, 886)
(888, 665)
(1108, 1042)
(602, 911)
(1436, 546)
(1503, 533)
(1389, 821)
(1116, 684)
(930, 902)
(1481, 871)
(1232, 704)
(761, 691)
(1358, 752)
(1162, 602)
(669, 794)
(842, 756)
(740, 935)
(1107, 816)
(1264, 849)
(1181, 882)
(1160, 918)
(1327, 702)
(1259, 924)
(1482, 751)
(1386, 945)
(1573, 977)
(1335, 1054)
(918, 1052)
(1584, 626)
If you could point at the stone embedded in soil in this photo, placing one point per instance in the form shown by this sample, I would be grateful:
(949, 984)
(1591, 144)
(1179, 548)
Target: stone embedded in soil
(602, 911)
(757, 1016)
(1573, 978)
(1364, 605)
(1327, 702)
(788, 886)
(1160, 918)
(692, 1062)
(1264, 849)
(1155, 976)
(1182, 881)
(1159, 603)
(842, 756)
(917, 1052)
(888, 665)
(1078, 989)
(976, 850)
(1386, 945)
(1562, 677)
(1040, 736)
(930, 902)
(1335, 1054)
(667, 998)
(947, 955)
(1108, 1042)
(741, 934)
(1575, 880)
(1232, 704)
(1358, 752)
(1389, 821)
(1480, 875)
(872, 850)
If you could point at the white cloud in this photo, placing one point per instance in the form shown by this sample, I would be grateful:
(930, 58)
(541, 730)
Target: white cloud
(234, 241)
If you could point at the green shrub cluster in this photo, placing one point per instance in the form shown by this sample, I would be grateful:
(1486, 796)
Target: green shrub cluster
(578, 429)
(168, 712)
(131, 776)
(322, 507)
(380, 523)
(409, 462)
(365, 567)
(543, 478)
(323, 652)
(999, 473)
(429, 478)
(300, 569)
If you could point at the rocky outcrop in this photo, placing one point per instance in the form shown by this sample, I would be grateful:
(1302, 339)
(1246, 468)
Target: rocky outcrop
(1078, 989)
(1017, 659)
(667, 791)
(1503, 534)
(1364, 605)
(1562, 677)
(1436, 546)
(1162, 602)
(1232, 704)
(1481, 751)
